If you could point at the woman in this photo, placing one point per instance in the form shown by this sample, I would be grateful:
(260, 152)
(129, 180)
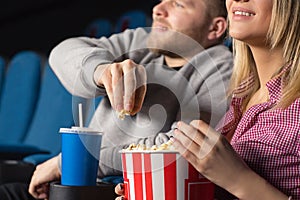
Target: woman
(255, 151)
(262, 125)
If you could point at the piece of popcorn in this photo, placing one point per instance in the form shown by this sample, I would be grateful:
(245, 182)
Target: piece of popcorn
(163, 147)
(122, 114)
(131, 147)
(154, 147)
(141, 147)
(169, 143)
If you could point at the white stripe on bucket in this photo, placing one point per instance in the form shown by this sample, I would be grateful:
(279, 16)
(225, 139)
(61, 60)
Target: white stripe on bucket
(182, 173)
(130, 175)
(158, 176)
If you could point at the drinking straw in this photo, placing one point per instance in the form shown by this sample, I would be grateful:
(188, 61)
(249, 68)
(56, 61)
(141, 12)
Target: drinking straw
(80, 115)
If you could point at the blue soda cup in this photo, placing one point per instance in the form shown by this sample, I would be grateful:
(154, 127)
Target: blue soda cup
(80, 156)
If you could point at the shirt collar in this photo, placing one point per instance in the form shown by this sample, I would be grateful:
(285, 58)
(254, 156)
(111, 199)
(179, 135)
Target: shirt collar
(274, 85)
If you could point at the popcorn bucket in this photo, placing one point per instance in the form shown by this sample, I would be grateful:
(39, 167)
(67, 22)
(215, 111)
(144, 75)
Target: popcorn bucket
(162, 175)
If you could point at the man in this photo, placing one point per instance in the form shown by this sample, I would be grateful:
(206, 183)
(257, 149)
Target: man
(177, 70)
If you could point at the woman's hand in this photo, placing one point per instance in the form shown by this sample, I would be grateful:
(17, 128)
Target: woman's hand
(119, 190)
(125, 84)
(210, 153)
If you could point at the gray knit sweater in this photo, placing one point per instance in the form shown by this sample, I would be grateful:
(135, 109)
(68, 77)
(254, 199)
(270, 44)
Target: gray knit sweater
(196, 90)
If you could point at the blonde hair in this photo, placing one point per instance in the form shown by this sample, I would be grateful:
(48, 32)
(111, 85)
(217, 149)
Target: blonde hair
(283, 30)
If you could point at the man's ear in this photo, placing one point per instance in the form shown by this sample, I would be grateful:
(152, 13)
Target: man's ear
(217, 28)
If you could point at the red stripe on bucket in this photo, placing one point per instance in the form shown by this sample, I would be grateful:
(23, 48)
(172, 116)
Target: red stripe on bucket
(138, 181)
(126, 181)
(148, 176)
(193, 174)
(197, 187)
(170, 176)
(124, 166)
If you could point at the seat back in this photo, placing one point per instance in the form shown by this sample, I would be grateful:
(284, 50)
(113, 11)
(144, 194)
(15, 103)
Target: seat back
(2, 73)
(98, 28)
(228, 42)
(19, 95)
(54, 111)
(132, 19)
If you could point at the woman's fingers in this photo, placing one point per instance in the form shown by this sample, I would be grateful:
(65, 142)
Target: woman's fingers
(192, 132)
(187, 140)
(197, 138)
(179, 142)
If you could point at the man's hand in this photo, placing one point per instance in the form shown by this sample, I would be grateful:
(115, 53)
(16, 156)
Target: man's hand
(125, 84)
(44, 173)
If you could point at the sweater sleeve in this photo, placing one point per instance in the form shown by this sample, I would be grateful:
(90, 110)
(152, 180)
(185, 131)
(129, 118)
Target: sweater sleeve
(74, 60)
(159, 138)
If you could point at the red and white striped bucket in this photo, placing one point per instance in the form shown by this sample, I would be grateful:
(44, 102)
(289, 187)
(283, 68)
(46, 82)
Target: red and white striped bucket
(162, 175)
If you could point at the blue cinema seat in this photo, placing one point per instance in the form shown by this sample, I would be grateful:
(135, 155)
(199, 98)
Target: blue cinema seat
(228, 42)
(19, 96)
(132, 19)
(2, 73)
(42, 141)
(98, 28)
(54, 111)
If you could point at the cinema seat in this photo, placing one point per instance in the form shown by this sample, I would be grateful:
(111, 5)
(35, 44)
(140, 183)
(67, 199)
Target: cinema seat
(19, 96)
(132, 19)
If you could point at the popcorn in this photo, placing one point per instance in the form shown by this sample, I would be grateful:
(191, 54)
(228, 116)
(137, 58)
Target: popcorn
(131, 147)
(161, 175)
(154, 147)
(165, 146)
(122, 114)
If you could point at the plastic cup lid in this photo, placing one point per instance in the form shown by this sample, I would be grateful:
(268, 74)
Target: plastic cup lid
(76, 129)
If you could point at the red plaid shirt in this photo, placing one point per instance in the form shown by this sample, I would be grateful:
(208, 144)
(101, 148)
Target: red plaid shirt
(267, 139)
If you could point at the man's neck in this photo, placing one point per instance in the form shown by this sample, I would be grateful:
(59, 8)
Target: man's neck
(175, 62)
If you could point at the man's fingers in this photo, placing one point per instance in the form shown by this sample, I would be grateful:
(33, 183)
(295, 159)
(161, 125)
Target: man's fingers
(130, 85)
(117, 86)
(139, 99)
(107, 83)
(141, 89)
(125, 85)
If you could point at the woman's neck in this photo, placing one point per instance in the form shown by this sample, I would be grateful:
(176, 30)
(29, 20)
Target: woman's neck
(267, 62)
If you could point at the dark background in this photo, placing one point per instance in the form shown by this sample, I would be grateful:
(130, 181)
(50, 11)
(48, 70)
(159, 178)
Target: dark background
(41, 24)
